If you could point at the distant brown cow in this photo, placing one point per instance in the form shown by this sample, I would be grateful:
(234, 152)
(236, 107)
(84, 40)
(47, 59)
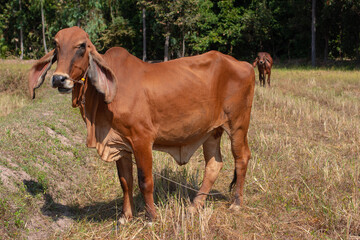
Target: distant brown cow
(132, 107)
(264, 62)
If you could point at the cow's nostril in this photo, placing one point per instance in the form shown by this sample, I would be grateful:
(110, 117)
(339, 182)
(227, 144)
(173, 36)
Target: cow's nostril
(58, 80)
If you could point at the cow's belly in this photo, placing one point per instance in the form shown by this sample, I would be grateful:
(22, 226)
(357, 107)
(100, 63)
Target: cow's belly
(114, 147)
(182, 153)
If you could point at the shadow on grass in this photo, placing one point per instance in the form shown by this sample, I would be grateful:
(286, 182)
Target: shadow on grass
(111, 210)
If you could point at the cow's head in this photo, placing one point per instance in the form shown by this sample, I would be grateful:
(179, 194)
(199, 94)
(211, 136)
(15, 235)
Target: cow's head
(76, 57)
(260, 60)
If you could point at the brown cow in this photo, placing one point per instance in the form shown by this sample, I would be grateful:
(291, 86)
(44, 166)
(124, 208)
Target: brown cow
(264, 62)
(132, 107)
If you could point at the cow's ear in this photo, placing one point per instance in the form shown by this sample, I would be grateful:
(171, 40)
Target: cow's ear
(255, 62)
(38, 72)
(101, 75)
(267, 59)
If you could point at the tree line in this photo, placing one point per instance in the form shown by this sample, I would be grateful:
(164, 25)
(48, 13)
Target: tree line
(162, 30)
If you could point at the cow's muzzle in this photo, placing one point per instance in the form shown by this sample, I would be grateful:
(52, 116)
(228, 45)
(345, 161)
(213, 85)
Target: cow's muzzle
(63, 83)
(58, 81)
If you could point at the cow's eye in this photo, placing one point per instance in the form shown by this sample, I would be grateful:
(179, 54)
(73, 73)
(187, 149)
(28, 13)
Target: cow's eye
(82, 46)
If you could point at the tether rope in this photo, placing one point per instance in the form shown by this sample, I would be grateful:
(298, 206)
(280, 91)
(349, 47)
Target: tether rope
(185, 186)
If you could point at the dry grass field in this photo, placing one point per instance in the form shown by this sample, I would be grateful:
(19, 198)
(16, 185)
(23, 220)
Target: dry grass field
(12, 87)
(303, 179)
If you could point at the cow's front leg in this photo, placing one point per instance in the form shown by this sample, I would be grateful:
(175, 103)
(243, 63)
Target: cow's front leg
(143, 157)
(124, 169)
(260, 78)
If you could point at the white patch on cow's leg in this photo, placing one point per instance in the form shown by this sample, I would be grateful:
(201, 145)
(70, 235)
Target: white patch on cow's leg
(213, 165)
(122, 220)
(235, 207)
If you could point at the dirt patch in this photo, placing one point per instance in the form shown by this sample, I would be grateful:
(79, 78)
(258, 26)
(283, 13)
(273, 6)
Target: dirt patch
(54, 134)
(10, 177)
(50, 218)
(45, 114)
(41, 227)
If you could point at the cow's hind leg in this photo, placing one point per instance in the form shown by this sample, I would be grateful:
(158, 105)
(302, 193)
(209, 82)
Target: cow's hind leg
(213, 165)
(268, 79)
(241, 153)
(124, 169)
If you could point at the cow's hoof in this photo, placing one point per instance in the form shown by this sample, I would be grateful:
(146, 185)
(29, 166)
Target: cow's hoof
(122, 221)
(192, 209)
(235, 207)
(151, 216)
(195, 207)
(149, 224)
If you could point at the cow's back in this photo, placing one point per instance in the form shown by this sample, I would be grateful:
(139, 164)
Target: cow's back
(189, 96)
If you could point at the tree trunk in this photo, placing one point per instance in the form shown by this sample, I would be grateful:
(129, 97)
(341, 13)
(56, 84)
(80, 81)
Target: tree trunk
(166, 48)
(288, 51)
(144, 34)
(21, 35)
(326, 48)
(313, 34)
(21, 44)
(111, 13)
(78, 20)
(340, 45)
(43, 26)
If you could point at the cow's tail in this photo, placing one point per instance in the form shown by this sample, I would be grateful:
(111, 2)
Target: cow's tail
(233, 181)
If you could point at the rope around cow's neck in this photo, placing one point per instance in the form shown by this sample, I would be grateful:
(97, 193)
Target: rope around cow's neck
(82, 82)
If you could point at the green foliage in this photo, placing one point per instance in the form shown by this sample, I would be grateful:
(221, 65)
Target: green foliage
(206, 33)
(258, 24)
(239, 28)
(229, 26)
(119, 33)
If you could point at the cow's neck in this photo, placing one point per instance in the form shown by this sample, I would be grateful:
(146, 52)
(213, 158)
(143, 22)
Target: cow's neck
(94, 108)
(99, 115)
